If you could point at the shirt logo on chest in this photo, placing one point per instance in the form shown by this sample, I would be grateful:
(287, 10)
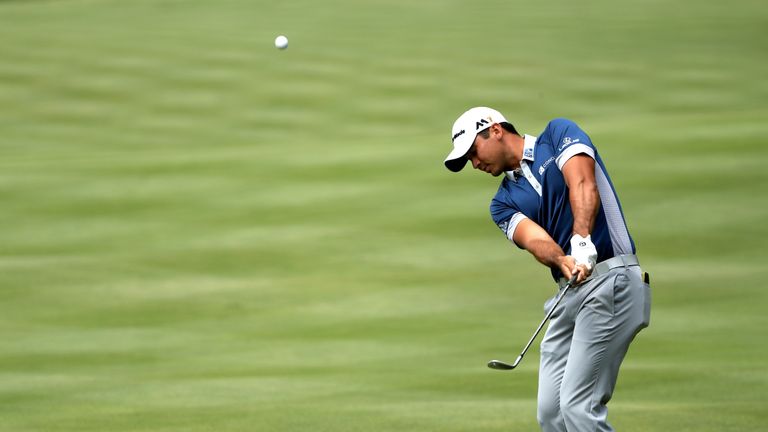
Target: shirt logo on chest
(545, 165)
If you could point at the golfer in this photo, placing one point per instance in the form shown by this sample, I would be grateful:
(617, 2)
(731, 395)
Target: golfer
(557, 201)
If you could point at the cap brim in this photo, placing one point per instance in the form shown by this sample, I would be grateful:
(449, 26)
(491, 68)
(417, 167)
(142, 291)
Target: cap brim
(456, 165)
(457, 157)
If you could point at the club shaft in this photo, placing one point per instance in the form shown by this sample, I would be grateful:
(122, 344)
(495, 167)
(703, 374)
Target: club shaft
(547, 317)
(498, 364)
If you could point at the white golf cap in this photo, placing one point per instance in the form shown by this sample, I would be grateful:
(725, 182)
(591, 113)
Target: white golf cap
(464, 131)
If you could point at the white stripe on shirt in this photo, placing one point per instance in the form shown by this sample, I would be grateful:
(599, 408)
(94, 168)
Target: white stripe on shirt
(512, 226)
(573, 151)
(617, 228)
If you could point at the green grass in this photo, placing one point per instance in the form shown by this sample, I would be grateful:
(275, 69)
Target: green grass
(199, 232)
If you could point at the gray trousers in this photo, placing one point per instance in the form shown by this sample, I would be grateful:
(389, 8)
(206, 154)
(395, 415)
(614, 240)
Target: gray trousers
(584, 345)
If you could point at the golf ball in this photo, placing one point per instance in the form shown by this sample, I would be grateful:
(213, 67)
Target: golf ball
(281, 42)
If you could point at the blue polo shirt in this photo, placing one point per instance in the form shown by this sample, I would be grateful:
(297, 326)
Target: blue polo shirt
(537, 191)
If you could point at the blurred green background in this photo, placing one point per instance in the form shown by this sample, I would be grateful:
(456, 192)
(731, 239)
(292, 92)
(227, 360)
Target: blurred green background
(199, 232)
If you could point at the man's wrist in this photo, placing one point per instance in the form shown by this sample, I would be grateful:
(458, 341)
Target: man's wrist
(583, 250)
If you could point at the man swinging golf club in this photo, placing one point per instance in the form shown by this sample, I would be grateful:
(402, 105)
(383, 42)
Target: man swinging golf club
(557, 201)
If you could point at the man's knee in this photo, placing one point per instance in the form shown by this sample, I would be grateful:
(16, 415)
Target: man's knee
(572, 412)
(578, 414)
(548, 415)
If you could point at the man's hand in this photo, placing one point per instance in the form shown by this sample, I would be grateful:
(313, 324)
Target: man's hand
(535, 240)
(568, 267)
(584, 251)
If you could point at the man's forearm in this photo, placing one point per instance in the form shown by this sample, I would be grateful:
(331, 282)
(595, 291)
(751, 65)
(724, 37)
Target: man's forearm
(546, 252)
(538, 242)
(579, 173)
(585, 201)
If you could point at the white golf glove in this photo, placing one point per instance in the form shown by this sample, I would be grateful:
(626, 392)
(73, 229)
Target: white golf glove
(584, 251)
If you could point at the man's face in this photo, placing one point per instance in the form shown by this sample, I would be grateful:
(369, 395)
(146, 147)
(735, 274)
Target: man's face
(487, 154)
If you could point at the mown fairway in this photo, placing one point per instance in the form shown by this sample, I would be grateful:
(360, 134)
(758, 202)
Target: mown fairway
(199, 232)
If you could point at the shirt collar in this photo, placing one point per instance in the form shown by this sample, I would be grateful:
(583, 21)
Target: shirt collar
(528, 147)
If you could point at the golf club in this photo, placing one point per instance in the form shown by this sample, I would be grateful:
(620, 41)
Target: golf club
(500, 365)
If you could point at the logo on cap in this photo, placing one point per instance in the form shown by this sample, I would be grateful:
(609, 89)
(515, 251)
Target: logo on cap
(481, 123)
(457, 134)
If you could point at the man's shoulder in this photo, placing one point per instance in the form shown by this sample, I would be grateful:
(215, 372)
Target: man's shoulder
(554, 131)
(504, 192)
(562, 132)
(513, 191)
(503, 185)
(559, 124)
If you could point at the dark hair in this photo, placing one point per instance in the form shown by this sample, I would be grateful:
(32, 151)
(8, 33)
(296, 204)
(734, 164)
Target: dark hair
(504, 125)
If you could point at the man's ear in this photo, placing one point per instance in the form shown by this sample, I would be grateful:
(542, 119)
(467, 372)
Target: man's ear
(497, 130)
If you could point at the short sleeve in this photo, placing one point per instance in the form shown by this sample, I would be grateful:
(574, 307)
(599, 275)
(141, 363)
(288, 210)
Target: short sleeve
(506, 216)
(569, 140)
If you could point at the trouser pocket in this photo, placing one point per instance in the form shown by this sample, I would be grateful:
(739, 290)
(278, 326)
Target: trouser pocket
(646, 304)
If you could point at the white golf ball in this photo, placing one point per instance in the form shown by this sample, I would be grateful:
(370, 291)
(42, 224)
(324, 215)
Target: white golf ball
(281, 42)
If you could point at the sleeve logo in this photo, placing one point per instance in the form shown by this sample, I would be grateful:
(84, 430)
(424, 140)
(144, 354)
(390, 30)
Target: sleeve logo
(504, 225)
(568, 141)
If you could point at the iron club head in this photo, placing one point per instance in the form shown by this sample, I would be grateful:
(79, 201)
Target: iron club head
(500, 365)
